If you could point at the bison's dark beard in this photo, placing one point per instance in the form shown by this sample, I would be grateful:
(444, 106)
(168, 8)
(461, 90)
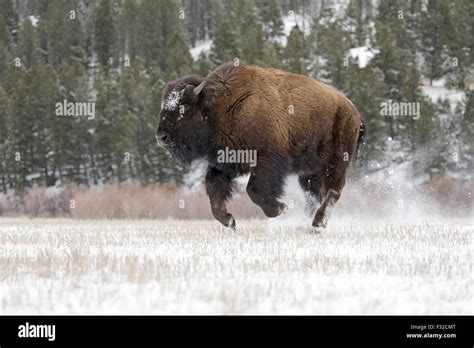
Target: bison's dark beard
(177, 153)
(191, 147)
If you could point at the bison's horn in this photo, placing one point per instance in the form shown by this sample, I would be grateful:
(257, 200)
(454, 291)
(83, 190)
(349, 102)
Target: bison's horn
(199, 88)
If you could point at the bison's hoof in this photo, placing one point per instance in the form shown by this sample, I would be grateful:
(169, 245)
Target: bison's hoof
(231, 223)
(320, 220)
(320, 223)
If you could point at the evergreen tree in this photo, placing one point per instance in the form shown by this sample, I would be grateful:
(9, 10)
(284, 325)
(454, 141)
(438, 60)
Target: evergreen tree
(163, 42)
(5, 37)
(296, 52)
(364, 88)
(10, 15)
(104, 33)
(4, 60)
(203, 64)
(333, 46)
(175, 45)
(460, 45)
(239, 35)
(178, 58)
(148, 162)
(71, 135)
(251, 31)
(113, 131)
(270, 11)
(27, 47)
(42, 97)
(225, 46)
(395, 15)
(467, 134)
(136, 89)
(33, 100)
(19, 134)
(151, 42)
(354, 23)
(436, 32)
(389, 60)
(4, 121)
(271, 56)
(401, 85)
(5, 42)
(60, 33)
(447, 153)
(129, 28)
(201, 18)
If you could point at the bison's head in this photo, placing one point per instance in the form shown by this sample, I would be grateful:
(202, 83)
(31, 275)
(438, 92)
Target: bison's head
(183, 129)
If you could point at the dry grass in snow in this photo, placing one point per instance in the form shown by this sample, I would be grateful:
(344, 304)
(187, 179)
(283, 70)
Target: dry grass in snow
(186, 267)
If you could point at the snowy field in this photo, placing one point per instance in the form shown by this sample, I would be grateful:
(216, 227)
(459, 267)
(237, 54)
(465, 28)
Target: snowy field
(60, 266)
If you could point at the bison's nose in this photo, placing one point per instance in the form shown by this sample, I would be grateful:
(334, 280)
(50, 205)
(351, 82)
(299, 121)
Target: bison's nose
(162, 137)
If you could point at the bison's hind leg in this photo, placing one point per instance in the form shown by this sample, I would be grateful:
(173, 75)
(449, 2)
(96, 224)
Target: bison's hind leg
(333, 188)
(345, 133)
(322, 214)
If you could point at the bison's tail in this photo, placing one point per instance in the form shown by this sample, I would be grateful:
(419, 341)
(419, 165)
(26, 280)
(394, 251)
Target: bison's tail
(360, 139)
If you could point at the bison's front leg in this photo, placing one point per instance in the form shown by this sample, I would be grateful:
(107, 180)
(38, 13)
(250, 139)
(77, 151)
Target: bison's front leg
(265, 186)
(219, 190)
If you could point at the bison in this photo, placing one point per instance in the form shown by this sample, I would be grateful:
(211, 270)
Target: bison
(292, 123)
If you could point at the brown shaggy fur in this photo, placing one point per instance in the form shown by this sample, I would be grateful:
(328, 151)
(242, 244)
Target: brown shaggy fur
(295, 123)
